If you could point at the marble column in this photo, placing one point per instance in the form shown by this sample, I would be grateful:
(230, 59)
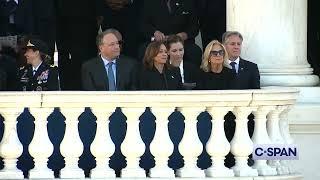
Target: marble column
(275, 37)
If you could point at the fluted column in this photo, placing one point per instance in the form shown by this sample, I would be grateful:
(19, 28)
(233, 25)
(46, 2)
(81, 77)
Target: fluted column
(40, 147)
(273, 128)
(285, 133)
(133, 146)
(190, 146)
(161, 146)
(218, 146)
(260, 136)
(241, 144)
(10, 146)
(71, 146)
(275, 37)
(102, 146)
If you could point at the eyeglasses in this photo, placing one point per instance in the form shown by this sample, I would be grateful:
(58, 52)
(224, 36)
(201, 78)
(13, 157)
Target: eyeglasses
(217, 53)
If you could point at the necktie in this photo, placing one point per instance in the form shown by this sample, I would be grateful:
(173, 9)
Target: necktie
(233, 65)
(34, 72)
(111, 81)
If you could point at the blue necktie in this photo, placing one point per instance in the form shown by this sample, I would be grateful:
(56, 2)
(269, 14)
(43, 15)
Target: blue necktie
(233, 65)
(111, 81)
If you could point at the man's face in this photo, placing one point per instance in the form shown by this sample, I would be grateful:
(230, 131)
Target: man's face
(233, 46)
(31, 55)
(110, 46)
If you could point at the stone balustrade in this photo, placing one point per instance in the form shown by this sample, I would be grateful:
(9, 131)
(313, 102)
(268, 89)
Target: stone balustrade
(269, 106)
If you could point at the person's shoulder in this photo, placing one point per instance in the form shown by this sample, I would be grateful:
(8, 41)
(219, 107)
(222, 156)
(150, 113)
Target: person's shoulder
(127, 60)
(247, 62)
(91, 62)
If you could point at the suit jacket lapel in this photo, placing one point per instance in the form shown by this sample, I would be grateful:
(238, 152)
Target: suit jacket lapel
(241, 67)
(118, 72)
(101, 71)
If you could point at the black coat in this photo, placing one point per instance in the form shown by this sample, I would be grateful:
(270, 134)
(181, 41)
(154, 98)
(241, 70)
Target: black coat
(45, 78)
(156, 16)
(94, 75)
(151, 79)
(10, 70)
(216, 81)
(248, 76)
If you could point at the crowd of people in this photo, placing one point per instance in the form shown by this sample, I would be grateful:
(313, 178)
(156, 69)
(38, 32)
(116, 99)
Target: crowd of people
(73, 28)
(163, 67)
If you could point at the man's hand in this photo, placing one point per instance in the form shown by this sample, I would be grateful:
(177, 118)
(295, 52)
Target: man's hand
(183, 35)
(117, 4)
(159, 36)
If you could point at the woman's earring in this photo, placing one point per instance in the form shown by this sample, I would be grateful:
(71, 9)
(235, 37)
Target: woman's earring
(209, 61)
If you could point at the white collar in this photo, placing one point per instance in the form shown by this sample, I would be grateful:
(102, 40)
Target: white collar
(35, 69)
(106, 61)
(236, 61)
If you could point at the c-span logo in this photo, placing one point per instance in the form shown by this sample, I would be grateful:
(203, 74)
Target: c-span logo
(275, 152)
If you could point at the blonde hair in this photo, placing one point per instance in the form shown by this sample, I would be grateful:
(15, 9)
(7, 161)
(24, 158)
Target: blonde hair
(205, 65)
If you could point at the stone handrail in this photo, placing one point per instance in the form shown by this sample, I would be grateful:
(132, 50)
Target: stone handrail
(269, 106)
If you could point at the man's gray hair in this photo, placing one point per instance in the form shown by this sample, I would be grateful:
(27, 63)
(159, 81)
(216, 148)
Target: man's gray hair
(227, 34)
(99, 39)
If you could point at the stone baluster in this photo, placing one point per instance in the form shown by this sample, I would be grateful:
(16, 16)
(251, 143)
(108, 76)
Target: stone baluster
(190, 146)
(260, 136)
(10, 146)
(218, 146)
(71, 146)
(40, 147)
(161, 146)
(133, 146)
(284, 130)
(275, 136)
(102, 146)
(241, 144)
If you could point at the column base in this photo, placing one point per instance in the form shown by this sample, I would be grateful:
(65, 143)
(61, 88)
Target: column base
(71, 173)
(13, 174)
(298, 80)
(133, 173)
(219, 172)
(190, 173)
(41, 173)
(244, 171)
(161, 173)
(102, 173)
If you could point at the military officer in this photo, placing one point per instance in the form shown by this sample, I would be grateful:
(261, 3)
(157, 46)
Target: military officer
(38, 75)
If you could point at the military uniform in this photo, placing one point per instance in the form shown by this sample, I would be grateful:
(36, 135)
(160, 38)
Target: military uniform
(44, 79)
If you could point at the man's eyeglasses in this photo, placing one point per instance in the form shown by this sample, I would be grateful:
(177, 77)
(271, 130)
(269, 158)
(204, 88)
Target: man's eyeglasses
(217, 53)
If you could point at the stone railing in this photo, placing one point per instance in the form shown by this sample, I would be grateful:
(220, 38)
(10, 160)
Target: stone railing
(269, 106)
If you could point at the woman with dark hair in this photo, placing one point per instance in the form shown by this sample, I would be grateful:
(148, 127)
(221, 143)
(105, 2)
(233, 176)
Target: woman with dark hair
(157, 73)
(38, 75)
(217, 73)
(189, 72)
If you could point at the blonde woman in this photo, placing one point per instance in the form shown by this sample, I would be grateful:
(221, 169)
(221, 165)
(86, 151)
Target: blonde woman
(216, 72)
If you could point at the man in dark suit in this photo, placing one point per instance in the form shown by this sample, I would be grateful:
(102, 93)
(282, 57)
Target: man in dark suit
(247, 73)
(161, 18)
(247, 77)
(110, 71)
